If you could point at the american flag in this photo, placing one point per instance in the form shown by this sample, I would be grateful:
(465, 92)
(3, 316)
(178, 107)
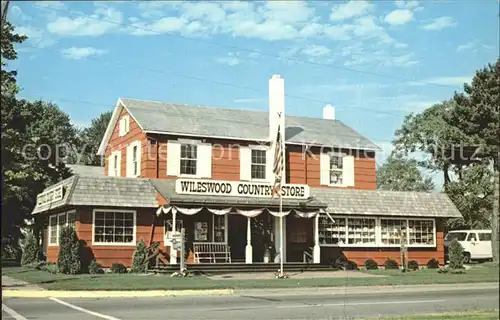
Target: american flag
(278, 165)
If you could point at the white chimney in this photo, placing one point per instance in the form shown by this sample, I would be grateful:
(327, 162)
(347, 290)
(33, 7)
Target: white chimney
(328, 112)
(276, 104)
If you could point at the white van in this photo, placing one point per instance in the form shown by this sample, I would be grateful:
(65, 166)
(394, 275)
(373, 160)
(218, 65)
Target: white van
(476, 244)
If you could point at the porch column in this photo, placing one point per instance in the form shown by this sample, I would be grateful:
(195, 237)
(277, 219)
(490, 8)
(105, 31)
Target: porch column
(316, 249)
(248, 248)
(279, 255)
(173, 252)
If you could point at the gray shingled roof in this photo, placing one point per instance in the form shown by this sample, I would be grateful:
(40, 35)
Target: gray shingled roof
(386, 203)
(167, 189)
(88, 171)
(241, 124)
(68, 185)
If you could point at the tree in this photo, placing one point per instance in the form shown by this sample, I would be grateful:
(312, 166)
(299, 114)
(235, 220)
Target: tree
(68, 260)
(90, 138)
(402, 174)
(31, 251)
(477, 114)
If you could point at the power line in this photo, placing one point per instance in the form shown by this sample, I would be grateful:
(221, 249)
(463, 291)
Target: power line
(246, 49)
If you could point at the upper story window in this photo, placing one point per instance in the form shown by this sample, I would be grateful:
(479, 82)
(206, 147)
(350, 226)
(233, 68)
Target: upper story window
(336, 169)
(258, 164)
(124, 126)
(134, 159)
(188, 159)
(114, 164)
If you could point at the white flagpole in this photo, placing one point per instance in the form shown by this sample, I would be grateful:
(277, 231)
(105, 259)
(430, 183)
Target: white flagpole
(281, 235)
(282, 254)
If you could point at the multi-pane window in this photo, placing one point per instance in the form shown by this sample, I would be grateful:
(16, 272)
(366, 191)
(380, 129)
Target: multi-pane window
(354, 231)
(258, 166)
(188, 159)
(115, 165)
(61, 221)
(361, 231)
(169, 227)
(71, 219)
(53, 230)
(219, 228)
(112, 227)
(134, 160)
(336, 169)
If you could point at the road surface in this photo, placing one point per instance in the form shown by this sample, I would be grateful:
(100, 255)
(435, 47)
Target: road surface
(337, 303)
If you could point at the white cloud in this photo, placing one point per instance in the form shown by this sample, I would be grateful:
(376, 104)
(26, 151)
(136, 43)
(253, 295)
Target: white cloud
(315, 50)
(446, 81)
(399, 17)
(468, 46)
(36, 37)
(407, 4)
(51, 4)
(440, 23)
(102, 21)
(17, 13)
(350, 10)
(232, 59)
(75, 53)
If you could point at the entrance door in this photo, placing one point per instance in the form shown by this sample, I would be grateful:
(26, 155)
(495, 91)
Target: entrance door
(168, 237)
(299, 236)
(237, 237)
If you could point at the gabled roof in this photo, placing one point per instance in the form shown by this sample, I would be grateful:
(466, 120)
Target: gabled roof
(237, 124)
(87, 171)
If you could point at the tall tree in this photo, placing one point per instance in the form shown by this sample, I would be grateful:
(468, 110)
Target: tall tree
(399, 173)
(477, 114)
(90, 139)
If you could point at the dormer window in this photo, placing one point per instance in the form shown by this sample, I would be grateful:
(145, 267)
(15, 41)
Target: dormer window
(124, 125)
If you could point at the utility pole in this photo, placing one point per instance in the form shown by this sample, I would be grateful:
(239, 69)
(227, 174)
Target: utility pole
(5, 10)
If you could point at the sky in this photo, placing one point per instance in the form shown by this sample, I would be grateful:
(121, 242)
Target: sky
(374, 61)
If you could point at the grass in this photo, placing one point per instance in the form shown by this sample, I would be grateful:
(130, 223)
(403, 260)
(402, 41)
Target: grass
(480, 273)
(472, 315)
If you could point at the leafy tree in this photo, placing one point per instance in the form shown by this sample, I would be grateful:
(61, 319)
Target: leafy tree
(139, 260)
(477, 114)
(31, 250)
(456, 255)
(90, 139)
(68, 260)
(402, 174)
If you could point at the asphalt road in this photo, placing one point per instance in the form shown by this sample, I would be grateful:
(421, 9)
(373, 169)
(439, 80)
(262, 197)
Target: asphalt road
(292, 304)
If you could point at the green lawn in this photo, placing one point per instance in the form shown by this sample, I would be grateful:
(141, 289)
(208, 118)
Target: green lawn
(473, 315)
(480, 273)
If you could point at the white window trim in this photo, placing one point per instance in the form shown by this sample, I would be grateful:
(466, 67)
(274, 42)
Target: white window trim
(124, 126)
(341, 155)
(118, 154)
(265, 149)
(134, 237)
(185, 175)
(378, 233)
(129, 166)
(53, 244)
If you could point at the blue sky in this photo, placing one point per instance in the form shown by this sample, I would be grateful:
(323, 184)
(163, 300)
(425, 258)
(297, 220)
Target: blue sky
(373, 61)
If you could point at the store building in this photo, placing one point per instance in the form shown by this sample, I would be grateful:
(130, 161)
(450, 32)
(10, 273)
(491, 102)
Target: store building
(209, 171)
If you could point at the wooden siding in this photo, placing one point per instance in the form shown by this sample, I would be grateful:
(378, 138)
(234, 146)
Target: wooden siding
(360, 255)
(120, 143)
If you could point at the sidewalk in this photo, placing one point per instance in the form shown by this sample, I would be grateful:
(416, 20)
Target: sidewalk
(9, 283)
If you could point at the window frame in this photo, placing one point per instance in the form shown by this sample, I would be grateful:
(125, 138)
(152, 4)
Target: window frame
(56, 243)
(378, 232)
(341, 158)
(124, 126)
(188, 159)
(265, 165)
(134, 236)
(135, 167)
(225, 219)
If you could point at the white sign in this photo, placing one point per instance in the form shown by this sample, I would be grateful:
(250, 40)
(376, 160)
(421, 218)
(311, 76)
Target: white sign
(239, 189)
(50, 196)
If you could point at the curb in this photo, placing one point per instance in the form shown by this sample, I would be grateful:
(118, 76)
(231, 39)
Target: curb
(111, 294)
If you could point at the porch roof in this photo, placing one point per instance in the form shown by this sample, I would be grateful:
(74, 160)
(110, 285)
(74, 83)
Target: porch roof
(167, 189)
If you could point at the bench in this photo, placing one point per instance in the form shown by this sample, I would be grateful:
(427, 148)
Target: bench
(211, 252)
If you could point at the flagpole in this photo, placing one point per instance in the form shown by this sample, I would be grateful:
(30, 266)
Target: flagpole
(281, 235)
(283, 181)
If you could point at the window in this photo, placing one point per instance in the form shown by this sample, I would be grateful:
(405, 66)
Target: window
(168, 227)
(332, 232)
(391, 230)
(134, 161)
(219, 228)
(61, 221)
(258, 166)
(115, 165)
(71, 218)
(336, 169)
(459, 236)
(188, 159)
(53, 230)
(114, 227)
(124, 125)
(484, 236)
(421, 232)
(361, 231)
(471, 237)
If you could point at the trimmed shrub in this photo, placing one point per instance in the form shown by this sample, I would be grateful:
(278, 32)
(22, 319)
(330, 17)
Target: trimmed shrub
(371, 264)
(413, 265)
(118, 268)
(139, 263)
(432, 264)
(95, 268)
(49, 267)
(351, 265)
(31, 251)
(456, 252)
(391, 264)
(68, 260)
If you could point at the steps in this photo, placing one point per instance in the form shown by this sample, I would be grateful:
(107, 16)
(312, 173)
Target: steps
(221, 268)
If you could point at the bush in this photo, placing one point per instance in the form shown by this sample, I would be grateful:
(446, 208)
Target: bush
(118, 268)
(391, 264)
(413, 265)
(433, 264)
(95, 268)
(49, 267)
(139, 263)
(371, 264)
(68, 260)
(31, 251)
(456, 252)
(351, 265)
